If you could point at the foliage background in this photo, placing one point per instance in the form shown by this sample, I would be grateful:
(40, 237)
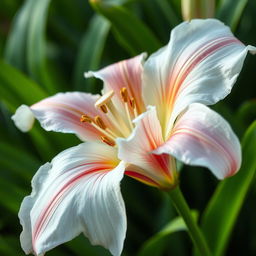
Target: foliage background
(45, 46)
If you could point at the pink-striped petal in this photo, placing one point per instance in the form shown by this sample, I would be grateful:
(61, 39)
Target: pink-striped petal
(152, 169)
(62, 113)
(200, 64)
(202, 137)
(126, 73)
(78, 192)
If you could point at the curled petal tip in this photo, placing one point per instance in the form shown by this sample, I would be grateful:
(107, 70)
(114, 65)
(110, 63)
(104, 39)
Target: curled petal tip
(23, 118)
(251, 49)
(88, 74)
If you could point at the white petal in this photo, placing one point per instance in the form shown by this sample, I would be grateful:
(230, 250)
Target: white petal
(126, 73)
(78, 192)
(202, 137)
(62, 113)
(23, 118)
(137, 150)
(200, 64)
(27, 204)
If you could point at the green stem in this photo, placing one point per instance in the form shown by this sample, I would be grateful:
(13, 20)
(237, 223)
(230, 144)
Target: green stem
(193, 229)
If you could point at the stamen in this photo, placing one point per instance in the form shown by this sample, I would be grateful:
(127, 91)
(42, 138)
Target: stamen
(100, 122)
(124, 94)
(104, 109)
(106, 105)
(132, 103)
(125, 98)
(108, 141)
(86, 119)
(133, 106)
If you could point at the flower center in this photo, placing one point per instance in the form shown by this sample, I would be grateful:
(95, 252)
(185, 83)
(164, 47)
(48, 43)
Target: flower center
(119, 119)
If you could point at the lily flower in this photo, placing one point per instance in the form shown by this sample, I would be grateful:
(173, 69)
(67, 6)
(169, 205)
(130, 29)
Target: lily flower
(150, 114)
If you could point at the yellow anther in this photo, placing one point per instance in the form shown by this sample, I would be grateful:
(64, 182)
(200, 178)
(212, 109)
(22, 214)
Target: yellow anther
(85, 119)
(100, 122)
(108, 141)
(104, 99)
(124, 94)
(104, 109)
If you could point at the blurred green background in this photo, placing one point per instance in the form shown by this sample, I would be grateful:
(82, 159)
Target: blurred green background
(45, 47)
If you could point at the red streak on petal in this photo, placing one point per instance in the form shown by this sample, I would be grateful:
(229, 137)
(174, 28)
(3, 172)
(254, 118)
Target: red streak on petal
(216, 144)
(196, 57)
(163, 161)
(48, 209)
(160, 162)
(142, 178)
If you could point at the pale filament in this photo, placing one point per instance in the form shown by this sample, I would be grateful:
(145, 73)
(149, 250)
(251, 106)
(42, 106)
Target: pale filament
(125, 98)
(106, 105)
(88, 119)
(116, 118)
(103, 126)
(121, 127)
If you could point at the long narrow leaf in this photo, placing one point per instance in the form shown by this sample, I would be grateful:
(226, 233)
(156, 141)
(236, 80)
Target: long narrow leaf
(17, 89)
(26, 45)
(19, 163)
(11, 195)
(90, 52)
(156, 244)
(222, 211)
(15, 86)
(36, 45)
(230, 11)
(131, 33)
(7, 246)
(169, 12)
(15, 49)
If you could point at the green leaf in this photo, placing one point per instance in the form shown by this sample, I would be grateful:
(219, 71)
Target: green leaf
(19, 163)
(90, 52)
(8, 245)
(26, 45)
(11, 195)
(131, 32)
(222, 211)
(81, 243)
(169, 12)
(230, 12)
(15, 51)
(156, 244)
(247, 112)
(17, 89)
(14, 87)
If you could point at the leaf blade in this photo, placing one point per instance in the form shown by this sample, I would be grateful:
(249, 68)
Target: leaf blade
(230, 11)
(155, 244)
(89, 55)
(128, 28)
(228, 198)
